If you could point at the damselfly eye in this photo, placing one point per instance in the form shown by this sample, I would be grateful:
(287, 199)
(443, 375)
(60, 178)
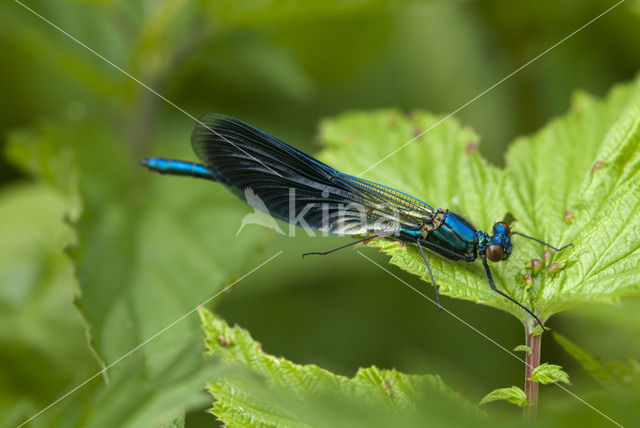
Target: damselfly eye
(495, 252)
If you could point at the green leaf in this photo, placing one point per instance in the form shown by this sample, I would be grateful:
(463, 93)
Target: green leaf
(264, 390)
(42, 340)
(592, 365)
(522, 348)
(606, 372)
(134, 399)
(513, 395)
(547, 175)
(137, 235)
(537, 331)
(547, 373)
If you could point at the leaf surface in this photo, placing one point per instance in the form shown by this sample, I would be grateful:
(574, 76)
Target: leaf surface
(262, 390)
(575, 181)
(513, 395)
(135, 241)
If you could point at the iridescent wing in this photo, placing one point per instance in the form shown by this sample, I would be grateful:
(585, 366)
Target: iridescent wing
(298, 188)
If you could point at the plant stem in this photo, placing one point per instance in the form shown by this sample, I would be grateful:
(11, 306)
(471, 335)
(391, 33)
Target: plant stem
(533, 361)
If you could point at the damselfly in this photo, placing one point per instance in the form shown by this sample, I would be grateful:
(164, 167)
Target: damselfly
(300, 189)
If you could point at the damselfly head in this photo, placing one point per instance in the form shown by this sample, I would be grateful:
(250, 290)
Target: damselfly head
(500, 243)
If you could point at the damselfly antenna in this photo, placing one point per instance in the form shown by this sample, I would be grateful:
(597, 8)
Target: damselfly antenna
(541, 242)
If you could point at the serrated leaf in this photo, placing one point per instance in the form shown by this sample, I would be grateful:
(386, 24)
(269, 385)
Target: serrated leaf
(136, 399)
(547, 174)
(135, 242)
(513, 395)
(547, 373)
(42, 341)
(277, 392)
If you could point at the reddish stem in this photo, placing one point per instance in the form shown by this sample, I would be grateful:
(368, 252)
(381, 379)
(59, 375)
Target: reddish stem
(533, 360)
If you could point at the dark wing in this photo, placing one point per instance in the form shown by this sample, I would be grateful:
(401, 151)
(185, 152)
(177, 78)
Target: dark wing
(268, 173)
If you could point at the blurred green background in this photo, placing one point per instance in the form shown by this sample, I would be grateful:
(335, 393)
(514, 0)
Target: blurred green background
(93, 246)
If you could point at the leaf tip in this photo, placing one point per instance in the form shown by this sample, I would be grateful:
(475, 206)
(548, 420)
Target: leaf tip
(527, 280)
(224, 341)
(597, 166)
(471, 147)
(555, 268)
(568, 217)
(535, 265)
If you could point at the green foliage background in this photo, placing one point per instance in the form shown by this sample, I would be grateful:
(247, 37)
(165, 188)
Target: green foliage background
(93, 247)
